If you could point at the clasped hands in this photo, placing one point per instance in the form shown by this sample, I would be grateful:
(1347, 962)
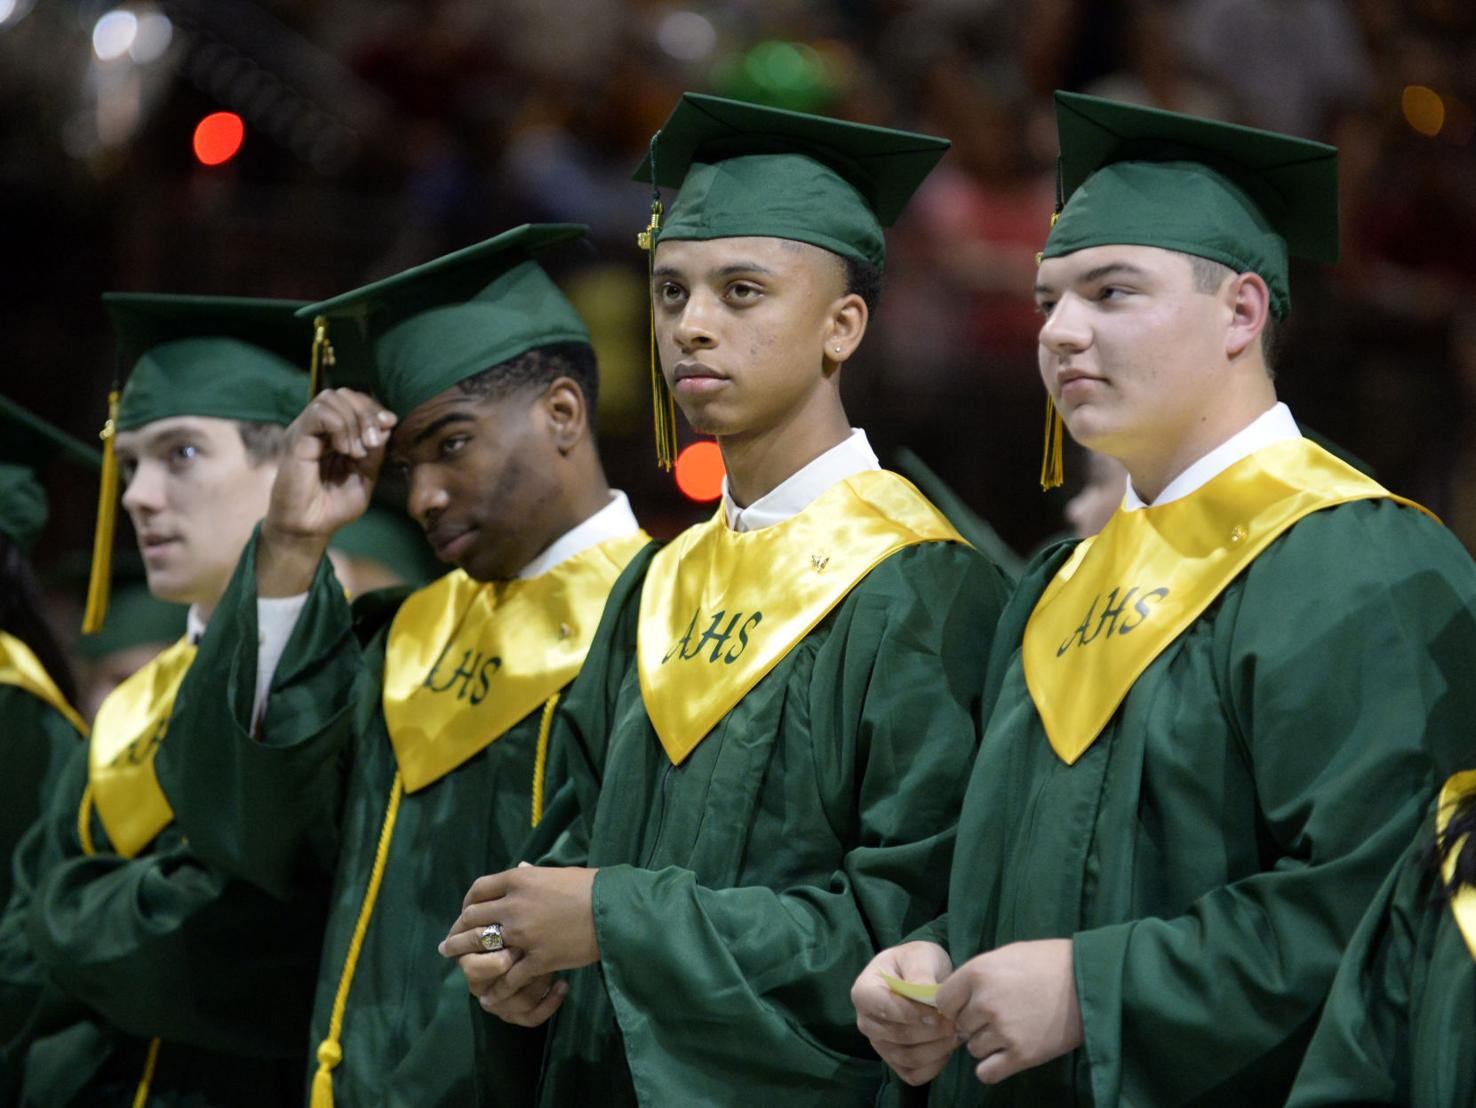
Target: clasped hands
(1014, 1008)
(547, 919)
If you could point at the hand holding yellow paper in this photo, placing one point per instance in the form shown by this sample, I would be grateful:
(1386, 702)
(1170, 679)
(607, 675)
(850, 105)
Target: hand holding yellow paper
(913, 990)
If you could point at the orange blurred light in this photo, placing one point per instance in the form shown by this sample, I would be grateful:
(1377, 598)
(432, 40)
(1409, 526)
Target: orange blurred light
(218, 136)
(699, 471)
(1423, 109)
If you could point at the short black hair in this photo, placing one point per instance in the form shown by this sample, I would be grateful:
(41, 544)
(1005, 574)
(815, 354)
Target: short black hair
(1209, 275)
(865, 280)
(264, 442)
(539, 368)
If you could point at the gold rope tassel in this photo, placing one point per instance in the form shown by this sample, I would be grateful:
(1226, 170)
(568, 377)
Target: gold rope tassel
(330, 1050)
(99, 584)
(84, 822)
(141, 1097)
(1052, 469)
(323, 357)
(665, 406)
(540, 759)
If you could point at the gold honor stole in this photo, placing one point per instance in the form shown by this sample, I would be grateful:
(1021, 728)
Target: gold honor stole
(465, 660)
(720, 607)
(21, 668)
(1463, 903)
(1126, 594)
(126, 735)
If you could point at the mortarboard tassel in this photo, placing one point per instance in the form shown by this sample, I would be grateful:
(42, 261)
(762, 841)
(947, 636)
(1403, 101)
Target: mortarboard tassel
(1052, 470)
(1052, 465)
(99, 583)
(322, 356)
(665, 406)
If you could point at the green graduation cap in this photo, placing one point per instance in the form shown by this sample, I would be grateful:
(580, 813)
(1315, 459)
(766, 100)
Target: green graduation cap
(225, 357)
(439, 323)
(27, 443)
(1237, 195)
(745, 170)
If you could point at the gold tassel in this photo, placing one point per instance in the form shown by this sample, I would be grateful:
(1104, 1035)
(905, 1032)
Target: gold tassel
(141, 1094)
(1052, 469)
(322, 356)
(330, 1050)
(540, 758)
(665, 406)
(99, 584)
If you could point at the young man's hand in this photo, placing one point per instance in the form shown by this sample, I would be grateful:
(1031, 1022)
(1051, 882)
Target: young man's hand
(912, 1038)
(546, 915)
(324, 481)
(1015, 1007)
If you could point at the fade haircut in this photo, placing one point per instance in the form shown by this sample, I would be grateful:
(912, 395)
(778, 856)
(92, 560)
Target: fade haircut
(264, 442)
(1209, 275)
(539, 368)
(865, 280)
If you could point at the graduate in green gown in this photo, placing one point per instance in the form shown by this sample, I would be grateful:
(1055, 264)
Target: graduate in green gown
(39, 722)
(769, 740)
(1399, 1026)
(137, 972)
(1211, 728)
(401, 741)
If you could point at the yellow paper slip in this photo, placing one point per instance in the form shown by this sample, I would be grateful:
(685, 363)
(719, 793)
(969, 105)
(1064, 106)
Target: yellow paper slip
(913, 990)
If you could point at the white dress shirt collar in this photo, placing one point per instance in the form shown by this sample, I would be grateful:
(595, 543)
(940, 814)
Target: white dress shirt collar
(798, 491)
(194, 624)
(1274, 425)
(615, 520)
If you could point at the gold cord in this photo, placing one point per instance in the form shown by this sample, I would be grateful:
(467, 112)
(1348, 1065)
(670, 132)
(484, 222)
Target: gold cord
(540, 760)
(99, 583)
(330, 1050)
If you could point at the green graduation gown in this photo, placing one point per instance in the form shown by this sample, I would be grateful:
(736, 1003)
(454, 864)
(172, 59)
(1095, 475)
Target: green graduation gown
(310, 796)
(1399, 1026)
(103, 955)
(1212, 851)
(741, 891)
(37, 740)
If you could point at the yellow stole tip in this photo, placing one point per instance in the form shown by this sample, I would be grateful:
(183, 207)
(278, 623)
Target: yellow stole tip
(99, 582)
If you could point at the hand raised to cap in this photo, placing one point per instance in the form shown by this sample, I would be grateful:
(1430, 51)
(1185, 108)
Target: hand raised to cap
(325, 480)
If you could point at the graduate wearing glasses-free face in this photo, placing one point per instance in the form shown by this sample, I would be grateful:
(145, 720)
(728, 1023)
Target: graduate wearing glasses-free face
(1145, 364)
(752, 332)
(194, 492)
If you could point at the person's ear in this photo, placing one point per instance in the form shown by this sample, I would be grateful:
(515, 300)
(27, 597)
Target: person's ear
(565, 413)
(1249, 303)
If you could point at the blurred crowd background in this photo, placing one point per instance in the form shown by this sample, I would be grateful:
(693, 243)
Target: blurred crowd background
(379, 134)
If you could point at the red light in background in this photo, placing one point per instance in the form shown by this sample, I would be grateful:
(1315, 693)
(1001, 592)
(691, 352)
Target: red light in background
(218, 137)
(699, 471)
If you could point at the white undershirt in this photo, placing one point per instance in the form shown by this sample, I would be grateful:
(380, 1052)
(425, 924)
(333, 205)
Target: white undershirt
(277, 616)
(798, 491)
(1272, 426)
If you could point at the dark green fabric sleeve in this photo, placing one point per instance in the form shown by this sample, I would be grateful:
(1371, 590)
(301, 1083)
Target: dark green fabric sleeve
(1344, 664)
(163, 945)
(36, 740)
(264, 807)
(748, 987)
(1360, 1053)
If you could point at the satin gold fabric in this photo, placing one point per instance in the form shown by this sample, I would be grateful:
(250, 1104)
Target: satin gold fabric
(21, 668)
(1126, 594)
(126, 735)
(465, 660)
(1463, 904)
(720, 608)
